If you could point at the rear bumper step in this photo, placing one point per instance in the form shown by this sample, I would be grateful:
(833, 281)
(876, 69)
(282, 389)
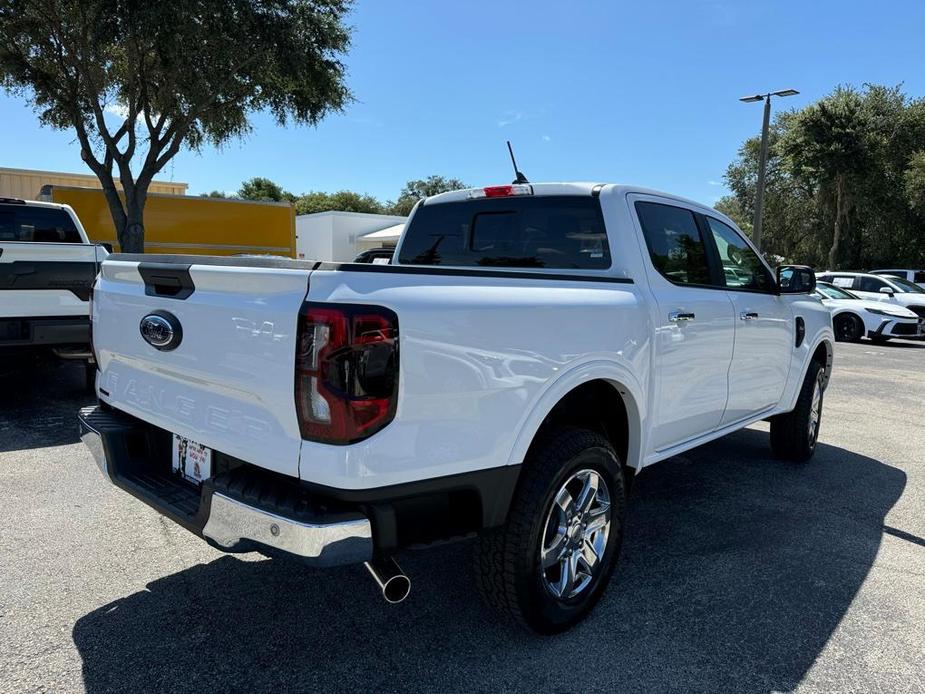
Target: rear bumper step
(236, 510)
(42, 331)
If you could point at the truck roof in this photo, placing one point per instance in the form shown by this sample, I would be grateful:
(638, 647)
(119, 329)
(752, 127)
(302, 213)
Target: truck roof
(567, 188)
(31, 203)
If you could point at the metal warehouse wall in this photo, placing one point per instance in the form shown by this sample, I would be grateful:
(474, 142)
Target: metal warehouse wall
(27, 183)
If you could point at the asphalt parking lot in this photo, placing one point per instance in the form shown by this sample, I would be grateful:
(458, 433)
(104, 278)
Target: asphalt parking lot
(739, 573)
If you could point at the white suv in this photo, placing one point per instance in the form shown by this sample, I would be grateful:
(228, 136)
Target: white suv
(916, 276)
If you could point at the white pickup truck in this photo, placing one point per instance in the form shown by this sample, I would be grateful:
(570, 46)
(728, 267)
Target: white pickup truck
(47, 269)
(531, 348)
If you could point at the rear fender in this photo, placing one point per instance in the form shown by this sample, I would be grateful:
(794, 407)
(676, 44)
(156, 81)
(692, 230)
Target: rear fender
(613, 372)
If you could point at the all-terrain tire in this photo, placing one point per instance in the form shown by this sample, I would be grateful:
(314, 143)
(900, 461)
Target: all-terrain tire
(506, 561)
(794, 434)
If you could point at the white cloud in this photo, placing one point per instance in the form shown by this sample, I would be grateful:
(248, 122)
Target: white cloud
(546, 138)
(116, 109)
(510, 117)
(714, 183)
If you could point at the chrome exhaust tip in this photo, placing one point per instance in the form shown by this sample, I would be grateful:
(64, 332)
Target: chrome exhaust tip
(392, 581)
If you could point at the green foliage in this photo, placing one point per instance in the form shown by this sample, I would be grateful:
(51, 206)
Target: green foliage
(215, 194)
(176, 73)
(845, 184)
(422, 188)
(344, 201)
(265, 190)
(348, 200)
(914, 182)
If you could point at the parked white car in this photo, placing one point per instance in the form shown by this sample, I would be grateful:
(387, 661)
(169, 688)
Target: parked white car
(853, 318)
(915, 276)
(890, 290)
(529, 349)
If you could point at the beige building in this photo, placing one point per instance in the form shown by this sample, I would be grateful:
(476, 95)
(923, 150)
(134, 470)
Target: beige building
(27, 183)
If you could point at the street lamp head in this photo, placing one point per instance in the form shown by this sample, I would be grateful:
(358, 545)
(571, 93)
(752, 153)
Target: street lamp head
(752, 99)
(785, 92)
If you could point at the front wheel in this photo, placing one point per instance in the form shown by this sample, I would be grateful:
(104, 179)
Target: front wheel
(848, 328)
(794, 434)
(548, 565)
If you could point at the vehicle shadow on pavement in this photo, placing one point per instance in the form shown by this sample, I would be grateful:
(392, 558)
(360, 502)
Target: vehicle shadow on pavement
(39, 399)
(736, 570)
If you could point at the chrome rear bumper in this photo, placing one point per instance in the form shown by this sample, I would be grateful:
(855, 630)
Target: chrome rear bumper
(214, 514)
(346, 542)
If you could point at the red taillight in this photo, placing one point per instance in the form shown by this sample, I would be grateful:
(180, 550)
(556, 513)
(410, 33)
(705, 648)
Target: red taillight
(346, 386)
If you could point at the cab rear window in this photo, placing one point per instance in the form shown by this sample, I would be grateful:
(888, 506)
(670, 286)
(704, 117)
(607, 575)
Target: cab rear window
(557, 232)
(42, 224)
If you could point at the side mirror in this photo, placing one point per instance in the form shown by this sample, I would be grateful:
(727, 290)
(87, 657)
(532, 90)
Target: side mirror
(795, 279)
(886, 290)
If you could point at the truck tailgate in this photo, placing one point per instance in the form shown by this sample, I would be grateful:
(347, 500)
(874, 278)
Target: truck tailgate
(46, 279)
(229, 382)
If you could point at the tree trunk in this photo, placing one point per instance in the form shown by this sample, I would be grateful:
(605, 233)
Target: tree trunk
(132, 237)
(839, 219)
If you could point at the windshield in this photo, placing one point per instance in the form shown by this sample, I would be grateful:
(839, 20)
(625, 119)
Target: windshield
(830, 291)
(905, 285)
(42, 224)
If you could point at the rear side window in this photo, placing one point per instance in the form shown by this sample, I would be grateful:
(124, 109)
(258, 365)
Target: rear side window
(675, 244)
(869, 284)
(557, 232)
(45, 224)
(919, 278)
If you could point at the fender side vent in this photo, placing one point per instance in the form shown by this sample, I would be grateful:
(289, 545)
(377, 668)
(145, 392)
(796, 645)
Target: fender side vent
(801, 331)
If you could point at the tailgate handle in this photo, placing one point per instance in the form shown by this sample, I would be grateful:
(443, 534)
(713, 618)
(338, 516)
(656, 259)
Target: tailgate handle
(167, 280)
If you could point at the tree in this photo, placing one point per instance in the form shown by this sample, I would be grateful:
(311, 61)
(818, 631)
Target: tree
(914, 182)
(344, 201)
(422, 188)
(214, 194)
(264, 189)
(829, 144)
(177, 74)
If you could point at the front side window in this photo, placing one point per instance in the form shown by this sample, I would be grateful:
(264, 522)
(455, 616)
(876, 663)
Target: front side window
(557, 232)
(830, 291)
(43, 224)
(742, 268)
(906, 286)
(675, 244)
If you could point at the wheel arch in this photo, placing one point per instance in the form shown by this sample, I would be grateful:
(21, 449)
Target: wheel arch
(594, 396)
(823, 353)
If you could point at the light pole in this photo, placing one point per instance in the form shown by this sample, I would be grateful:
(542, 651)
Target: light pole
(763, 157)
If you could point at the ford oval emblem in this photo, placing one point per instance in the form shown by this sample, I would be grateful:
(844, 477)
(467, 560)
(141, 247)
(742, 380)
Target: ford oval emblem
(161, 330)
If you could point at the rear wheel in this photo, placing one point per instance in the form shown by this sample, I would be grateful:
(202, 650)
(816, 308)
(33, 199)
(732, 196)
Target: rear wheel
(548, 565)
(794, 434)
(848, 328)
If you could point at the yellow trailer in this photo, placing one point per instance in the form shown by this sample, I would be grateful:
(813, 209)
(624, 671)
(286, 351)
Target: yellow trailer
(186, 224)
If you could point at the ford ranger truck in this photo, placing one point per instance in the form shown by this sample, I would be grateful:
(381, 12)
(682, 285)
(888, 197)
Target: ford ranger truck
(530, 349)
(47, 270)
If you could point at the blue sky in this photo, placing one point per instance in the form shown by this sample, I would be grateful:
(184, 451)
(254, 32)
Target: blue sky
(641, 92)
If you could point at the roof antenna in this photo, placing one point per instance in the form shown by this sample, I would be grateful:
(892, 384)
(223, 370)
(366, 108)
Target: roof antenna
(518, 177)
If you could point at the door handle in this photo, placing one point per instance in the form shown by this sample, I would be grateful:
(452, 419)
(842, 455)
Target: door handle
(748, 315)
(680, 317)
